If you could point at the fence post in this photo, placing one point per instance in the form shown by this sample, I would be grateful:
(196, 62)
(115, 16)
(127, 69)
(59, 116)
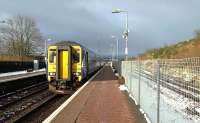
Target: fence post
(139, 75)
(158, 89)
(130, 78)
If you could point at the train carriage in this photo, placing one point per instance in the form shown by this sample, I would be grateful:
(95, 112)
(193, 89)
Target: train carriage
(68, 64)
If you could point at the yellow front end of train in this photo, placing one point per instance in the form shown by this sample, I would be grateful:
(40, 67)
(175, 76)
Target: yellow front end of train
(52, 63)
(77, 65)
(58, 64)
(69, 63)
(59, 68)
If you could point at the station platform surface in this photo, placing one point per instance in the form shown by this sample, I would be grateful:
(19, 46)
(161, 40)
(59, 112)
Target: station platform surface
(101, 101)
(11, 76)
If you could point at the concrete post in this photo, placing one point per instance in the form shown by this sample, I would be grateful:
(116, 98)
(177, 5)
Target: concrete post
(139, 80)
(158, 89)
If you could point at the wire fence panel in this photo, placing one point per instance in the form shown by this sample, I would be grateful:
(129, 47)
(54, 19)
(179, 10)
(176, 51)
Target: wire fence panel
(167, 90)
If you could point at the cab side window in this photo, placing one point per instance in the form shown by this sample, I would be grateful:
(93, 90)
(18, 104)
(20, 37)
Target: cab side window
(52, 56)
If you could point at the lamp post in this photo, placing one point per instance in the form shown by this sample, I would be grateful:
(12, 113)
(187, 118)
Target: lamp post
(112, 52)
(117, 41)
(125, 34)
(46, 48)
(46, 54)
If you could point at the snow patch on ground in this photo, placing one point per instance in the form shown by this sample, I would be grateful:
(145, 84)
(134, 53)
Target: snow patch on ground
(180, 103)
(113, 69)
(145, 116)
(133, 99)
(141, 110)
(123, 88)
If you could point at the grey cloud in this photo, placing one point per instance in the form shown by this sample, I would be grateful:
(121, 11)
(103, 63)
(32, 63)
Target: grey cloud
(152, 23)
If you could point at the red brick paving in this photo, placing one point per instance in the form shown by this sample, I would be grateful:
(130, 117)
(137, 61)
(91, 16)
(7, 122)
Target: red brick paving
(100, 102)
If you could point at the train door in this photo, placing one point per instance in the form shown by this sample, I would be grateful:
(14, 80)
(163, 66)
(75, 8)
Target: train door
(63, 65)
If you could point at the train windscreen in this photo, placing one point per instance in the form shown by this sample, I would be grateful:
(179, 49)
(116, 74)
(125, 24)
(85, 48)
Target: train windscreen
(52, 56)
(76, 57)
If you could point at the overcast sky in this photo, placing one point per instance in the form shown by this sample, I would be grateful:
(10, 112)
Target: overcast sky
(152, 23)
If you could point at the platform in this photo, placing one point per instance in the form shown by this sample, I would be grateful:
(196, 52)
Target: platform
(5, 77)
(100, 101)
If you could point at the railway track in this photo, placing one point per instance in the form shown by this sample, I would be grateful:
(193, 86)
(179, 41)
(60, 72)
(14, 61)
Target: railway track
(20, 104)
(40, 113)
(18, 109)
(44, 110)
(175, 85)
(177, 81)
(16, 104)
(7, 99)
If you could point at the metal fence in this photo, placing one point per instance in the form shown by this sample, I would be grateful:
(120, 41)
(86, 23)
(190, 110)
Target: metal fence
(168, 91)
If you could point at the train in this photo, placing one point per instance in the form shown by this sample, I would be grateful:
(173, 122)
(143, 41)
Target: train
(69, 64)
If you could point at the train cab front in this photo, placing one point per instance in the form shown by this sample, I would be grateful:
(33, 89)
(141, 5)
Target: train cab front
(59, 69)
(51, 64)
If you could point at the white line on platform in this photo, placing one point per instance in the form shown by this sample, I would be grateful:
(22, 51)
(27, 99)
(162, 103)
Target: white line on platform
(58, 110)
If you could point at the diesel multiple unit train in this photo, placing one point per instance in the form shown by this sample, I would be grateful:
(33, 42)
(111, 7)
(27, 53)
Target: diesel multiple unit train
(69, 63)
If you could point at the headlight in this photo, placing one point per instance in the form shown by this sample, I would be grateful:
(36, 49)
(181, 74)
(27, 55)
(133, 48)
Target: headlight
(52, 74)
(77, 73)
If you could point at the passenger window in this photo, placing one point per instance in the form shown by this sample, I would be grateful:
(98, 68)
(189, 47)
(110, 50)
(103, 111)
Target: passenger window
(76, 57)
(52, 56)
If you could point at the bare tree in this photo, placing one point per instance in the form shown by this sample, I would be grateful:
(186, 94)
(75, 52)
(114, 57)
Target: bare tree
(21, 35)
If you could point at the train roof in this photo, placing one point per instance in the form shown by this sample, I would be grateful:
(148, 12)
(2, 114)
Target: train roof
(60, 43)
